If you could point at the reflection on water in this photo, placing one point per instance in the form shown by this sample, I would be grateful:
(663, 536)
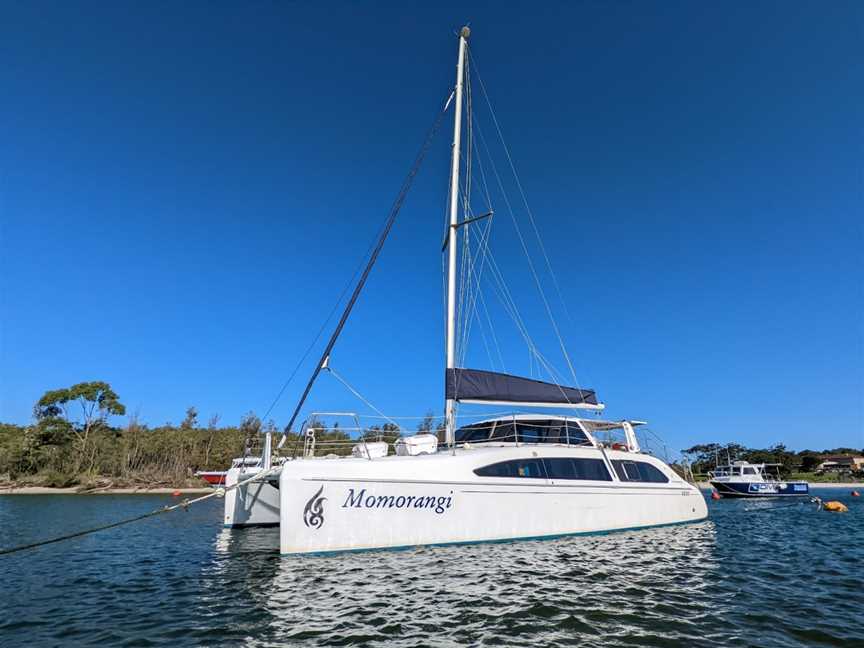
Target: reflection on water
(752, 574)
(627, 584)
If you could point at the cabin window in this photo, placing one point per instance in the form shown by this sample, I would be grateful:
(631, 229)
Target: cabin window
(627, 470)
(749, 471)
(534, 431)
(575, 435)
(530, 433)
(550, 431)
(474, 433)
(531, 468)
(504, 432)
(556, 433)
(639, 471)
(573, 468)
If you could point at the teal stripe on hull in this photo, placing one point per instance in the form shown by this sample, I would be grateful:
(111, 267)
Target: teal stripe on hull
(497, 540)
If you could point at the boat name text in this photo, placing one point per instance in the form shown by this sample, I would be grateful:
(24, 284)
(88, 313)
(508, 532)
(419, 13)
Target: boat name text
(362, 500)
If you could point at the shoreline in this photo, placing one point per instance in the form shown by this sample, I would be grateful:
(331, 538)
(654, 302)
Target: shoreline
(141, 490)
(77, 490)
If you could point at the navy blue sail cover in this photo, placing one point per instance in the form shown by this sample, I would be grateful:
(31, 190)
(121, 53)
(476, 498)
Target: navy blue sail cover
(477, 385)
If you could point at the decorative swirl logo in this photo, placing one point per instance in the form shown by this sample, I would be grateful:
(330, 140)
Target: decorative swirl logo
(313, 514)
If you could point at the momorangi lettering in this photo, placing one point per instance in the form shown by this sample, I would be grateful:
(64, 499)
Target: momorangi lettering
(438, 504)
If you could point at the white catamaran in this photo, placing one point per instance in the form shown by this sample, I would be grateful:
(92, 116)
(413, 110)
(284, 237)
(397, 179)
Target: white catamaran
(505, 478)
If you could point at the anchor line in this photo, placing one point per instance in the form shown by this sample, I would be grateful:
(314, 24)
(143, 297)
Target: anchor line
(165, 509)
(812, 500)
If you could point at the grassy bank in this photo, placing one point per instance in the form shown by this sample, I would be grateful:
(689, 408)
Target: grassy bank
(71, 443)
(134, 456)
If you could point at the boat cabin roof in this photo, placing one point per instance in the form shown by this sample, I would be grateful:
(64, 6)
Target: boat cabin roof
(589, 424)
(537, 428)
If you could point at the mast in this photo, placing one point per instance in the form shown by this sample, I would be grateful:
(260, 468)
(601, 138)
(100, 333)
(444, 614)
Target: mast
(449, 404)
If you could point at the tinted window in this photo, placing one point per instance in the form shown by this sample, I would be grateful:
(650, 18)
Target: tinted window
(532, 468)
(542, 431)
(504, 432)
(749, 471)
(572, 468)
(529, 433)
(534, 431)
(556, 433)
(575, 435)
(639, 471)
(473, 433)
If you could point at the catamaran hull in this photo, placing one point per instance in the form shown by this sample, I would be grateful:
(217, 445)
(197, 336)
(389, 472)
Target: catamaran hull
(761, 489)
(320, 515)
(250, 505)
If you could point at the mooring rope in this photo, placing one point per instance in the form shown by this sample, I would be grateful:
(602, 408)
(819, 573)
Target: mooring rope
(165, 509)
(812, 500)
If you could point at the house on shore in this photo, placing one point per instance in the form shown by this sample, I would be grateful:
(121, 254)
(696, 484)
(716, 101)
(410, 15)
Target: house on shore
(841, 464)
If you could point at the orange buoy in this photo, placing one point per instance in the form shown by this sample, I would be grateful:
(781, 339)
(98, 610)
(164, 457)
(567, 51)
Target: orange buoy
(715, 495)
(836, 507)
(176, 493)
(856, 494)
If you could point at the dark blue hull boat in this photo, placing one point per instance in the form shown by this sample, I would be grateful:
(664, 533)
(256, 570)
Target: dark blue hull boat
(761, 489)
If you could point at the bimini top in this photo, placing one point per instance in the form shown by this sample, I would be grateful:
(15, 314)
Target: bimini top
(490, 387)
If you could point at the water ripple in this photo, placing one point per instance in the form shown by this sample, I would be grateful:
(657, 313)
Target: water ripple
(749, 575)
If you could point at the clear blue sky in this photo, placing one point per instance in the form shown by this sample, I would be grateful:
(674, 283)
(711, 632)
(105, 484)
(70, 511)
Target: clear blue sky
(185, 189)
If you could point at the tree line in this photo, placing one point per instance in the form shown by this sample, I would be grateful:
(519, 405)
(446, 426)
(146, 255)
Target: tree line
(73, 442)
(704, 457)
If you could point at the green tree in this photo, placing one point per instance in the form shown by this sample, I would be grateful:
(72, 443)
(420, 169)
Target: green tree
(250, 427)
(809, 460)
(97, 401)
(191, 420)
(428, 422)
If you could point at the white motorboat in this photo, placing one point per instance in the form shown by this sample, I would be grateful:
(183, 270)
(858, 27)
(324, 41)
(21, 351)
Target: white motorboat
(509, 477)
(745, 479)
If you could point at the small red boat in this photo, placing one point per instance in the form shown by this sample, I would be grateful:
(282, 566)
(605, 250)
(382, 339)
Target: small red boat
(217, 477)
(212, 477)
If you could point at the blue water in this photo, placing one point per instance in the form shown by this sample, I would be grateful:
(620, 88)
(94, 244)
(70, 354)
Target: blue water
(757, 573)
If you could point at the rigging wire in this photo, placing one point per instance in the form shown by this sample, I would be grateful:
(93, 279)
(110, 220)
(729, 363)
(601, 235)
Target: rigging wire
(332, 371)
(463, 323)
(536, 278)
(509, 304)
(470, 289)
(474, 283)
(533, 224)
(317, 337)
(391, 218)
(492, 333)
